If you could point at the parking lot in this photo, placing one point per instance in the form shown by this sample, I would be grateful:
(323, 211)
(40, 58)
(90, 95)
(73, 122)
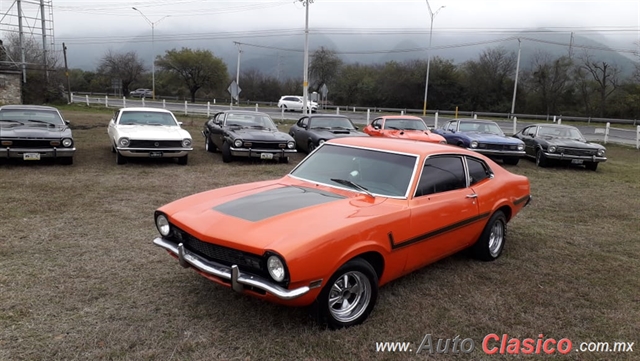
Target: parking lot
(81, 279)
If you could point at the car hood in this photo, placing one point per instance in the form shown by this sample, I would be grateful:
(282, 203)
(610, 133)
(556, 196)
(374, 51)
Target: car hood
(571, 143)
(337, 133)
(492, 138)
(423, 135)
(153, 132)
(271, 215)
(35, 132)
(265, 135)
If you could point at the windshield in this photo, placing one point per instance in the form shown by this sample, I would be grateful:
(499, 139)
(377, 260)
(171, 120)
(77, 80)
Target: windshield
(249, 121)
(379, 172)
(30, 116)
(405, 124)
(147, 118)
(561, 132)
(481, 127)
(333, 122)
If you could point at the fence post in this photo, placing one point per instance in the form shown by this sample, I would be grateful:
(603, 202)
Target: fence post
(354, 109)
(402, 112)
(214, 100)
(106, 101)
(638, 137)
(124, 102)
(338, 110)
(435, 123)
(143, 102)
(208, 109)
(368, 115)
(186, 109)
(282, 113)
(164, 104)
(231, 104)
(560, 120)
(87, 99)
(554, 118)
(475, 116)
(71, 98)
(589, 120)
(515, 123)
(456, 112)
(606, 132)
(256, 107)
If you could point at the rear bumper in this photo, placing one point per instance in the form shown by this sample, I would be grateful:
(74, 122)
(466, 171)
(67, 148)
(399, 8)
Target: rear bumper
(8, 152)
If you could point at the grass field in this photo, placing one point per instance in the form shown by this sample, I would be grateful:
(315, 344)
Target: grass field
(81, 280)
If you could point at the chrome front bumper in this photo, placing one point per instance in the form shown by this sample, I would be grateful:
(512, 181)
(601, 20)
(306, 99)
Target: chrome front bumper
(44, 153)
(500, 153)
(586, 158)
(238, 278)
(256, 152)
(145, 152)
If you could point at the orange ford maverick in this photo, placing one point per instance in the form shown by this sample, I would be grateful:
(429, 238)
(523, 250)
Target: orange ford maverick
(403, 126)
(355, 214)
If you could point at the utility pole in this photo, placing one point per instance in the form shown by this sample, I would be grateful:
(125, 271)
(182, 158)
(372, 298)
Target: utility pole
(66, 71)
(238, 45)
(44, 43)
(571, 46)
(305, 83)
(21, 40)
(426, 83)
(515, 85)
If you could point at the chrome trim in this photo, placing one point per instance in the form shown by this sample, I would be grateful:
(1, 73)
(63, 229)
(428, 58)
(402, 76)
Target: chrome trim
(165, 149)
(238, 278)
(588, 158)
(519, 153)
(474, 195)
(44, 152)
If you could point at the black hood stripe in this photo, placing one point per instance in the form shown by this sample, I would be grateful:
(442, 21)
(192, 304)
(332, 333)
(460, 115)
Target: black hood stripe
(259, 206)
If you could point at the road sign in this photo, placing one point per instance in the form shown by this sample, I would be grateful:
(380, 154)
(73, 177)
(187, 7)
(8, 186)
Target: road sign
(234, 90)
(324, 90)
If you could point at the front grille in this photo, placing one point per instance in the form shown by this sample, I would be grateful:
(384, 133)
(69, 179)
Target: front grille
(576, 151)
(33, 143)
(220, 254)
(155, 143)
(265, 145)
(497, 146)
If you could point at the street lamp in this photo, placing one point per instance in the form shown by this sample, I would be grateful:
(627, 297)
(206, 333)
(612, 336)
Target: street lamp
(305, 82)
(153, 53)
(426, 85)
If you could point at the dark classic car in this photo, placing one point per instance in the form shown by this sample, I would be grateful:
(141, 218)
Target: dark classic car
(34, 132)
(239, 133)
(311, 131)
(357, 213)
(563, 143)
(484, 137)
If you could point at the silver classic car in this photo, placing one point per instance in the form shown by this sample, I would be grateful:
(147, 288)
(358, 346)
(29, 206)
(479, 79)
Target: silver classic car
(34, 132)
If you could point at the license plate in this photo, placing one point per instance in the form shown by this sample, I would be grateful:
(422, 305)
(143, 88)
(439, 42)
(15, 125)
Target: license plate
(155, 154)
(266, 155)
(576, 161)
(31, 156)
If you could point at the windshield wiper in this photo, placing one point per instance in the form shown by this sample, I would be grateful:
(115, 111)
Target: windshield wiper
(39, 121)
(353, 185)
(11, 121)
(345, 128)
(327, 128)
(394, 128)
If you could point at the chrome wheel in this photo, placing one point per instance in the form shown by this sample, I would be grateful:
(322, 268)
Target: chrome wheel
(495, 238)
(349, 296)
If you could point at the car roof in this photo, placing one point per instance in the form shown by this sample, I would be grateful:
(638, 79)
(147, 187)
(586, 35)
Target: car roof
(400, 117)
(27, 107)
(145, 109)
(401, 145)
(327, 116)
(243, 112)
(552, 125)
(474, 120)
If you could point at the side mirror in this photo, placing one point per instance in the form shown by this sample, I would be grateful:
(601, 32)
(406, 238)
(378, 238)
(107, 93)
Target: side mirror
(179, 123)
(356, 127)
(67, 122)
(376, 127)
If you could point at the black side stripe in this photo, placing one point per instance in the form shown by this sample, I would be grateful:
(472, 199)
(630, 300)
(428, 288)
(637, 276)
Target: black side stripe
(435, 233)
(521, 200)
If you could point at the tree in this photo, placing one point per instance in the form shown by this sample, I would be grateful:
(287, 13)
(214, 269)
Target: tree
(324, 67)
(124, 66)
(605, 77)
(487, 81)
(197, 68)
(549, 79)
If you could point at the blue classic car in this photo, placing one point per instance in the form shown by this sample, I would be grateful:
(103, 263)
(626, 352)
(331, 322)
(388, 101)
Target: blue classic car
(484, 137)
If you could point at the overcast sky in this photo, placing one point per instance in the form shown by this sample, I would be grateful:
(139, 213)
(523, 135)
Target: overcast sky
(79, 19)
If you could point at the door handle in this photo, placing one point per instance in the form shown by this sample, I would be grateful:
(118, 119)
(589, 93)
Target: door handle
(472, 195)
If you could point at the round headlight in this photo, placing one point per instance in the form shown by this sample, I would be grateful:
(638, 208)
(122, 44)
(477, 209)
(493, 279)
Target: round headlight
(186, 143)
(552, 148)
(123, 142)
(600, 152)
(67, 142)
(238, 143)
(163, 225)
(321, 141)
(291, 145)
(474, 144)
(520, 146)
(275, 268)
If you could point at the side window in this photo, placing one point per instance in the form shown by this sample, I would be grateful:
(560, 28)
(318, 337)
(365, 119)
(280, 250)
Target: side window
(531, 131)
(452, 126)
(441, 174)
(377, 123)
(219, 118)
(116, 113)
(478, 170)
(303, 122)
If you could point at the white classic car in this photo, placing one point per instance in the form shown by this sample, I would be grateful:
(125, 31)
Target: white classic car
(148, 133)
